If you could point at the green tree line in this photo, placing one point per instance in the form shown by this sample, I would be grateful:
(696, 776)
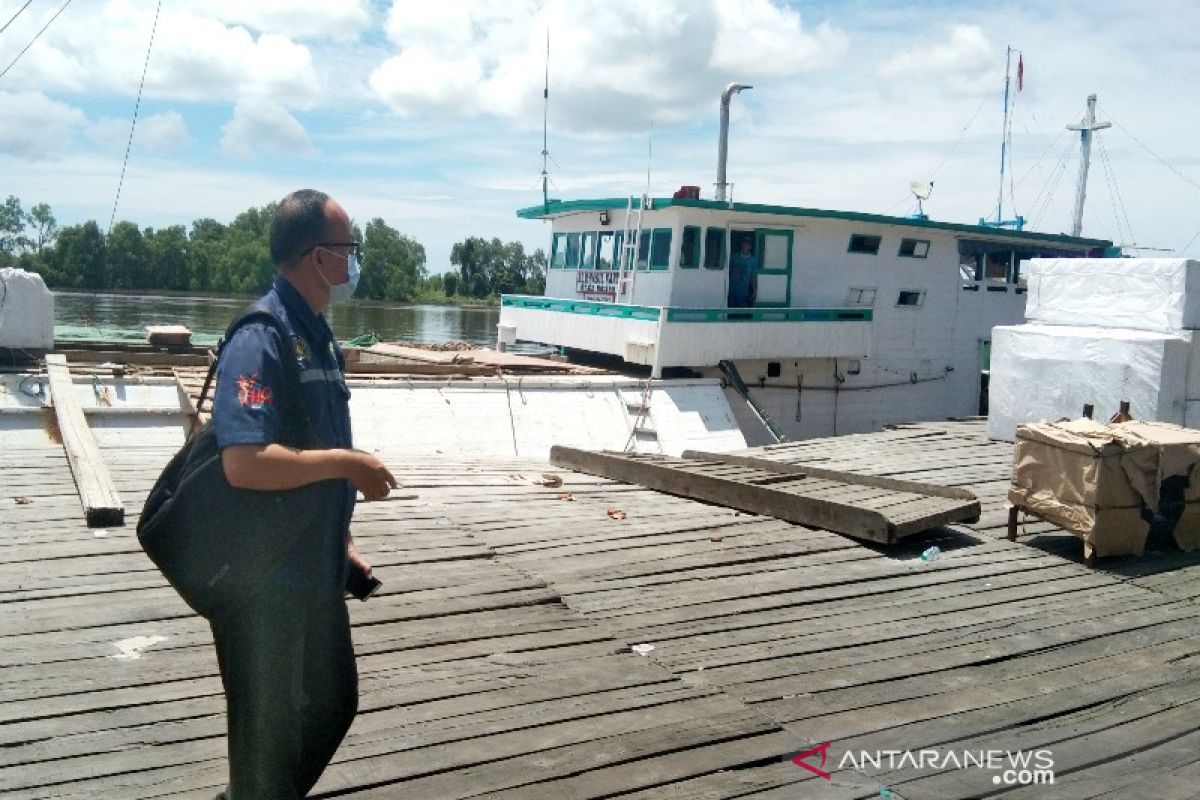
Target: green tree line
(234, 258)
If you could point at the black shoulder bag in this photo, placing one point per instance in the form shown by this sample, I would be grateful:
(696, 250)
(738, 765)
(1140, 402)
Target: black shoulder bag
(214, 543)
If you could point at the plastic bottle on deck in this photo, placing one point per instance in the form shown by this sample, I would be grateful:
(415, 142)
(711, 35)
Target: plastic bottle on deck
(931, 554)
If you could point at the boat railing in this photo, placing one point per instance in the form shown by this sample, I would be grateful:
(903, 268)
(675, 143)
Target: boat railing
(684, 315)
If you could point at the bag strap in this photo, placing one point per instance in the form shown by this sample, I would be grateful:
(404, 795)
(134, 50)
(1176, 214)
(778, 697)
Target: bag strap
(259, 312)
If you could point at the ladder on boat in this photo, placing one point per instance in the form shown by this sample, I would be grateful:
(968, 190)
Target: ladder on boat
(643, 432)
(631, 241)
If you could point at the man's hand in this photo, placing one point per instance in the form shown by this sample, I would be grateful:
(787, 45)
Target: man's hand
(369, 475)
(356, 560)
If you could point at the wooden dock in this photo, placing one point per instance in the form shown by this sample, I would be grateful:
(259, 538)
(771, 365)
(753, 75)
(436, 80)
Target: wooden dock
(531, 642)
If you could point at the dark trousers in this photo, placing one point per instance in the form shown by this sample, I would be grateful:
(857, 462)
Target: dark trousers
(291, 690)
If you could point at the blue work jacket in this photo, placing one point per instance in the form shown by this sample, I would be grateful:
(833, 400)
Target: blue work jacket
(246, 411)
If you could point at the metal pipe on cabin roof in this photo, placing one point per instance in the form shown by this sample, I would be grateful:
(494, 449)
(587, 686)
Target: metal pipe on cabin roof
(723, 141)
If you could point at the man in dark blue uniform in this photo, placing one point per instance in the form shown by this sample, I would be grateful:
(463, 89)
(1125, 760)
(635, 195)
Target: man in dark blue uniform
(742, 266)
(285, 654)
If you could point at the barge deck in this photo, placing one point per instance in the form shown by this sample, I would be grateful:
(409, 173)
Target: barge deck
(531, 642)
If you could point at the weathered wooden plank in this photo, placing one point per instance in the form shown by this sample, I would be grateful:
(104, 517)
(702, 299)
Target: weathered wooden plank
(835, 475)
(803, 510)
(101, 503)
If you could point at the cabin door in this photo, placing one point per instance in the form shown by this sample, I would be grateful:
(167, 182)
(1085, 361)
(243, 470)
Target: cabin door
(773, 278)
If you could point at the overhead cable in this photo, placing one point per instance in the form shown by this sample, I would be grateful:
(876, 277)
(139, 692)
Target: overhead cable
(1153, 154)
(136, 106)
(14, 16)
(34, 39)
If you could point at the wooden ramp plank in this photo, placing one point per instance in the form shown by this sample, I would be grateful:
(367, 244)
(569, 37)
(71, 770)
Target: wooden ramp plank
(893, 484)
(659, 474)
(858, 508)
(102, 505)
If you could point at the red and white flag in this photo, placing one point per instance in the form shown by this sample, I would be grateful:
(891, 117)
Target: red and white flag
(1020, 72)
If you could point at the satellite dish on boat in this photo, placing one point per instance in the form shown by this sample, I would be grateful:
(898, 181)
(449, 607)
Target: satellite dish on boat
(921, 191)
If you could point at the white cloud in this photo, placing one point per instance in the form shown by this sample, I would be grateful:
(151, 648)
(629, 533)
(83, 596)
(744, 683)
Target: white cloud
(614, 66)
(33, 127)
(340, 21)
(263, 127)
(758, 37)
(163, 133)
(195, 56)
(418, 80)
(110, 134)
(156, 134)
(965, 62)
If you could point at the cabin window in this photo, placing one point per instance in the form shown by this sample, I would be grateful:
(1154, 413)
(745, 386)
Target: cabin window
(643, 248)
(914, 248)
(999, 263)
(573, 251)
(587, 253)
(714, 248)
(689, 248)
(860, 296)
(606, 251)
(776, 251)
(995, 268)
(911, 297)
(660, 249)
(970, 267)
(862, 243)
(558, 251)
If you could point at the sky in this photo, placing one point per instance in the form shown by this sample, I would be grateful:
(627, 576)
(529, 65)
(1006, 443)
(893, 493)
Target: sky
(430, 114)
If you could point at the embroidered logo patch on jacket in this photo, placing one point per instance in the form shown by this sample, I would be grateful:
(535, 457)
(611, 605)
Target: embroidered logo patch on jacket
(252, 393)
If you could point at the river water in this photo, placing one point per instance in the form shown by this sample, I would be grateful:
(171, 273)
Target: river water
(109, 316)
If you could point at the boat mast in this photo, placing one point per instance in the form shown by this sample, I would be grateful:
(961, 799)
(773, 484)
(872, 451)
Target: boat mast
(1085, 128)
(1018, 222)
(545, 120)
(1004, 137)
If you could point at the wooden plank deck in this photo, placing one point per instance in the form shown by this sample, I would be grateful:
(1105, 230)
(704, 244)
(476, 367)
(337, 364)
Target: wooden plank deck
(500, 660)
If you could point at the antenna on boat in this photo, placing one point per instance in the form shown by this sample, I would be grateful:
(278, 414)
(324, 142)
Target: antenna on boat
(723, 141)
(649, 155)
(1085, 128)
(545, 125)
(921, 191)
(1018, 222)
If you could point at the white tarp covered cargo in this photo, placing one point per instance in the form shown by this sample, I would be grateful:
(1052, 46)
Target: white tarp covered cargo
(1150, 294)
(26, 311)
(1048, 372)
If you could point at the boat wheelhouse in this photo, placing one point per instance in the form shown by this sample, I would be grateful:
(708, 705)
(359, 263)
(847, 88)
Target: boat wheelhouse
(856, 320)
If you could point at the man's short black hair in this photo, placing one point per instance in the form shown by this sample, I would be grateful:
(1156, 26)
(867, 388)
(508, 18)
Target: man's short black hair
(298, 224)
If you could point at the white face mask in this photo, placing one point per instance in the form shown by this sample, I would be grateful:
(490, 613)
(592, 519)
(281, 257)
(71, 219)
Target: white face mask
(343, 291)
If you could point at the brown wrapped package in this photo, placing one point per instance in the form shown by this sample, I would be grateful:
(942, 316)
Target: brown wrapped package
(1095, 479)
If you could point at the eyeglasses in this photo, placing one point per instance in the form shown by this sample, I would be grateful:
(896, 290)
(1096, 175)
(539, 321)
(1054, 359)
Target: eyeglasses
(355, 247)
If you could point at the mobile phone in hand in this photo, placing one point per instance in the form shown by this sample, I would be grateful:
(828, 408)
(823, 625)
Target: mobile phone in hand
(360, 586)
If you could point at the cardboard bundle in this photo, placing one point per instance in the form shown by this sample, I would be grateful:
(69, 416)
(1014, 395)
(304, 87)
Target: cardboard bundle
(1102, 482)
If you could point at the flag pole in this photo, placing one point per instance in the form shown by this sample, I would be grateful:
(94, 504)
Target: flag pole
(1004, 138)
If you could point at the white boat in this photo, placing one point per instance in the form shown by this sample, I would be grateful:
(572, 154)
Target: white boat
(859, 320)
